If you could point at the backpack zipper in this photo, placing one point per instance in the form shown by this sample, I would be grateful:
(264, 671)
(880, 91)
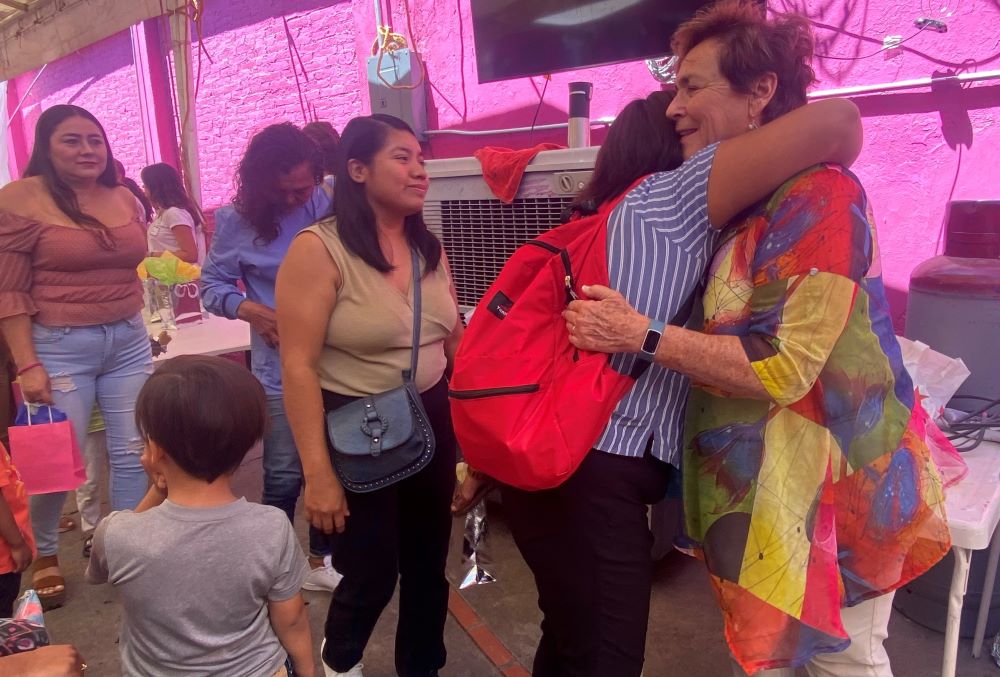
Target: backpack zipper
(493, 392)
(568, 282)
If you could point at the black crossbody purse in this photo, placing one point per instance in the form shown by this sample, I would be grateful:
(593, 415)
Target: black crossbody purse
(380, 439)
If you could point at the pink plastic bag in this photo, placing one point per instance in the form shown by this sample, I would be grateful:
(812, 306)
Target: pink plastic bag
(950, 464)
(46, 456)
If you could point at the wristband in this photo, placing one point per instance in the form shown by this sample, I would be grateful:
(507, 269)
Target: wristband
(652, 340)
(29, 367)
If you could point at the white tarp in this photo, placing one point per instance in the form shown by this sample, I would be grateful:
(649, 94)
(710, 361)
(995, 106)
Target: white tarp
(54, 28)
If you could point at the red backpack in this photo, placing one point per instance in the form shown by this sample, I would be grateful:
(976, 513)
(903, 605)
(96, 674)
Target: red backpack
(526, 405)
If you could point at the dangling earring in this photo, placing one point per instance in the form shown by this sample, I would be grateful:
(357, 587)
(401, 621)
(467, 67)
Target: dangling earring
(752, 124)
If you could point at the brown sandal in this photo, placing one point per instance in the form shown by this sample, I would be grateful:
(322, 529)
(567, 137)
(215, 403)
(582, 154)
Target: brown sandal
(45, 573)
(460, 505)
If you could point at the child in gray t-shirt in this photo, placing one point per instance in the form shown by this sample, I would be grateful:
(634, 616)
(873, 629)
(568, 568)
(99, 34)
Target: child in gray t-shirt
(210, 583)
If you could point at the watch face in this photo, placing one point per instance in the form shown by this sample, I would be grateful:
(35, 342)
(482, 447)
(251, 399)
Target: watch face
(651, 341)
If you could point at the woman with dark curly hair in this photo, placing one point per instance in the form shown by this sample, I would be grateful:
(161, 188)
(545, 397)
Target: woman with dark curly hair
(177, 227)
(279, 192)
(327, 138)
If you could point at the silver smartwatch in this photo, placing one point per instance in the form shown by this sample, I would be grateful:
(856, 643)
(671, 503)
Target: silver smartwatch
(649, 344)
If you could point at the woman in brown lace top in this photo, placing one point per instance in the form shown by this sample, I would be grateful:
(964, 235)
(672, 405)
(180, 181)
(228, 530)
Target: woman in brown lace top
(70, 240)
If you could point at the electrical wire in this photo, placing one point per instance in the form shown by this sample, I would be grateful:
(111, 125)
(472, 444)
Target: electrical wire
(538, 108)
(387, 42)
(883, 49)
(969, 431)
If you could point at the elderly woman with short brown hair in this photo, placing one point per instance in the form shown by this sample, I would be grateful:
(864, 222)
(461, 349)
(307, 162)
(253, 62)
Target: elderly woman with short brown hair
(808, 491)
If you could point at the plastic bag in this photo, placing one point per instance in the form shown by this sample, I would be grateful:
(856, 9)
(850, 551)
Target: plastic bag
(948, 461)
(33, 414)
(475, 552)
(168, 269)
(936, 376)
(26, 630)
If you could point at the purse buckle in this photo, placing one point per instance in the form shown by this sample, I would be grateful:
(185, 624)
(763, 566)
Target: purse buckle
(374, 426)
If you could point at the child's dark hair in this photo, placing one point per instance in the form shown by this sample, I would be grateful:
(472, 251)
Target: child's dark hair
(204, 412)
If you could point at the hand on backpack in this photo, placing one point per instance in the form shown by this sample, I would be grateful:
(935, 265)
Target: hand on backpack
(605, 322)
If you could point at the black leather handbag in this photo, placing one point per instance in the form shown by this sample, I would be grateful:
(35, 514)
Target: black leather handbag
(380, 439)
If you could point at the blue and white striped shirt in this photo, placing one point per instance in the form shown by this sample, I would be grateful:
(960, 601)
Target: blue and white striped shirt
(659, 244)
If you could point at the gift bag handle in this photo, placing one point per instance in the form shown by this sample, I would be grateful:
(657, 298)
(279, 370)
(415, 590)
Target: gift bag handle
(27, 409)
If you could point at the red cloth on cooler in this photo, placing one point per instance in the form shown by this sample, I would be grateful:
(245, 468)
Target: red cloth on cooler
(503, 167)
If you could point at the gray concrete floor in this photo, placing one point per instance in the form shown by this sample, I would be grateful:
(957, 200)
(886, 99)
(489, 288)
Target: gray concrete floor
(684, 637)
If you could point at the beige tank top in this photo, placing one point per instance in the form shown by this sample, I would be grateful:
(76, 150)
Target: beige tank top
(369, 336)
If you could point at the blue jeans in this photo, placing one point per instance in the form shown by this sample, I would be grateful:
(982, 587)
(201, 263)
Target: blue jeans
(109, 363)
(283, 472)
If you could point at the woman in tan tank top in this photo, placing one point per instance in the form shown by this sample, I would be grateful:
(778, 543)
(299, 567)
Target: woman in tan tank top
(345, 314)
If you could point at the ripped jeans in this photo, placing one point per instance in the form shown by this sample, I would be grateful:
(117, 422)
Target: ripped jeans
(109, 362)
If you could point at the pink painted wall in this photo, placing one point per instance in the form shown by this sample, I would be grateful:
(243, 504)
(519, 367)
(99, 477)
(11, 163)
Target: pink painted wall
(922, 147)
(102, 79)
(306, 61)
(271, 67)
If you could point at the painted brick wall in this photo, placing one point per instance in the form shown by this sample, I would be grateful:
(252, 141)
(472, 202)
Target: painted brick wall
(306, 60)
(102, 79)
(922, 147)
(268, 68)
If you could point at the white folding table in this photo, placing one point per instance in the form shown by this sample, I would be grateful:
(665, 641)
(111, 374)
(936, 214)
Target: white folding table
(213, 336)
(973, 509)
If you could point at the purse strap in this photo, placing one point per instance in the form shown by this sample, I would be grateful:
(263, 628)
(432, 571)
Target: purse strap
(410, 374)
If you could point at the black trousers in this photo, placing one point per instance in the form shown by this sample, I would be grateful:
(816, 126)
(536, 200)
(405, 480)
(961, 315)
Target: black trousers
(588, 544)
(401, 531)
(10, 585)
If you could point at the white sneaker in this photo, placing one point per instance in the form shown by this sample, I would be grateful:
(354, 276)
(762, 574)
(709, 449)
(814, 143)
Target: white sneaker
(330, 672)
(323, 578)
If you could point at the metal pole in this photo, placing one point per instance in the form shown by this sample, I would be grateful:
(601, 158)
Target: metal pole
(17, 109)
(180, 36)
(578, 135)
(956, 595)
(602, 122)
(987, 597)
(904, 84)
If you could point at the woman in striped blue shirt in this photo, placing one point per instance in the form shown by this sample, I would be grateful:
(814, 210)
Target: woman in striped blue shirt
(588, 541)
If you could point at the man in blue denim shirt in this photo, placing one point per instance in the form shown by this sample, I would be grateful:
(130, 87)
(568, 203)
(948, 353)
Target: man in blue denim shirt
(279, 192)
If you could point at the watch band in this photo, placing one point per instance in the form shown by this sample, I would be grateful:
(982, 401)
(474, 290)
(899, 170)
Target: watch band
(649, 344)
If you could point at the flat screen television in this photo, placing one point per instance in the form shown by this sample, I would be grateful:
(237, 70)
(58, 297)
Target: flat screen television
(518, 38)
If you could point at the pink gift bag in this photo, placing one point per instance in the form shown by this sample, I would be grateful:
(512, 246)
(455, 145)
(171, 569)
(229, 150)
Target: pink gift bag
(47, 456)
